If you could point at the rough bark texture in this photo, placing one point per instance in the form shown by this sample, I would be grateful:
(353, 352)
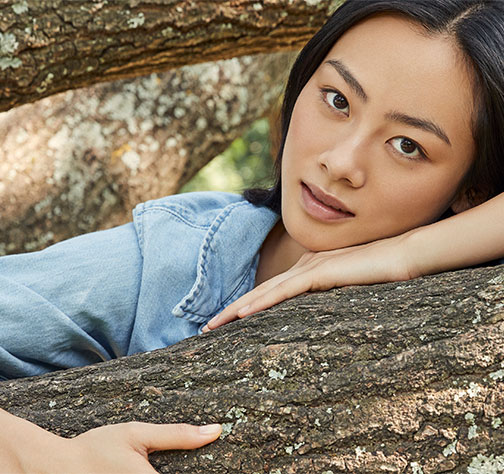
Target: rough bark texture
(83, 159)
(53, 45)
(402, 377)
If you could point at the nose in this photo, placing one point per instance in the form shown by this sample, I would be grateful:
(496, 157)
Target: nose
(345, 160)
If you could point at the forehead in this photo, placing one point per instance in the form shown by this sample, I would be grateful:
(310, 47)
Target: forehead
(408, 70)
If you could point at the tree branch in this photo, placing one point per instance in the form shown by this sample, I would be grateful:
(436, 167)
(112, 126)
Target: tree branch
(52, 46)
(400, 377)
(81, 160)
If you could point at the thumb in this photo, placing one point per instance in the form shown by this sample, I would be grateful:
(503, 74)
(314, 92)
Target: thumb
(175, 436)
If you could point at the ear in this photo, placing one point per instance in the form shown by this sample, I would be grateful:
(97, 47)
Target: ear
(467, 199)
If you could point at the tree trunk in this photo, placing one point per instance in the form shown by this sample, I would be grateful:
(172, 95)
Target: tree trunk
(83, 159)
(401, 377)
(55, 45)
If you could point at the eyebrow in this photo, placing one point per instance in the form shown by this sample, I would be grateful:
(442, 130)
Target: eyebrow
(423, 124)
(394, 116)
(348, 77)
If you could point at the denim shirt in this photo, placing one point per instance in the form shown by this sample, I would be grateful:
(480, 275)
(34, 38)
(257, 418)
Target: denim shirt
(133, 288)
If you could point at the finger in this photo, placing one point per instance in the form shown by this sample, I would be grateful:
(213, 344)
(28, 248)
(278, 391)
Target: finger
(230, 313)
(276, 290)
(273, 291)
(238, 308)
(174, 436)
(225, 316)
(288, 288)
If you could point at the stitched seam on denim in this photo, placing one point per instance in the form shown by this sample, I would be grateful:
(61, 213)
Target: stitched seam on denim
(240, 284)
(130, 332)
(224, 303)
(204, 251)
(140, 232)
(196, 318)
(211, 234)
(245, 275)
(174, 214)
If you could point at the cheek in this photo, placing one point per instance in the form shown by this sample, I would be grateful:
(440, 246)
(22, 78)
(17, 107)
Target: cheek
(306, 122)
(414, 202)
(294, 158)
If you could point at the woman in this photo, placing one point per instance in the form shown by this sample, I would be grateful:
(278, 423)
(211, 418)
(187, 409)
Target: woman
(476, 27)
(391, 118)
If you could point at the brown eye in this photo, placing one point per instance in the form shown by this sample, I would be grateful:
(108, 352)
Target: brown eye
(335, 100)
(339, 101)
(408, 146)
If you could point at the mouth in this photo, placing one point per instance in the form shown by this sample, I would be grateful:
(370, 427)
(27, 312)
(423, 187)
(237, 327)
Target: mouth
(323, 206)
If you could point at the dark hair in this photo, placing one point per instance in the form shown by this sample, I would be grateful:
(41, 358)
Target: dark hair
(478, 28)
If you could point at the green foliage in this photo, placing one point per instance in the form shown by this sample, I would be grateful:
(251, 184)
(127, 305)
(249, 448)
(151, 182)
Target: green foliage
(246, 163)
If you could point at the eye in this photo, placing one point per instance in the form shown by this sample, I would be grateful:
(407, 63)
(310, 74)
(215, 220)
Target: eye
(335, 100)
(408, 148)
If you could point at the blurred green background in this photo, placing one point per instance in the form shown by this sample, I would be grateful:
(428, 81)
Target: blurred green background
(246, 163)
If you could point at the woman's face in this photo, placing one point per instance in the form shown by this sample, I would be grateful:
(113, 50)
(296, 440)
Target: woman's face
(382, 131)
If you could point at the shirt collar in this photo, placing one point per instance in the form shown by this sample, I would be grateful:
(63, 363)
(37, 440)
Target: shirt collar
(227, 260)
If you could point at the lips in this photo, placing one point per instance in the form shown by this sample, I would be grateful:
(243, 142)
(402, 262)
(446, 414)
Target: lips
(323, 206)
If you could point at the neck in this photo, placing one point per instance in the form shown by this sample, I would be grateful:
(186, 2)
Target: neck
(279, 252)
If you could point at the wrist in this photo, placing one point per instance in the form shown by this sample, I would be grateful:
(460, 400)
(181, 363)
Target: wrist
(413, 245)
(25, 447)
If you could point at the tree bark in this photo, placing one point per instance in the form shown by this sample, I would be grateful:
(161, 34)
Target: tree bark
(403, 377)
(55, 45)
(83, 159)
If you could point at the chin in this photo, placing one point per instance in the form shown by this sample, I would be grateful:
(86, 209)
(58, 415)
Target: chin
(314, 243)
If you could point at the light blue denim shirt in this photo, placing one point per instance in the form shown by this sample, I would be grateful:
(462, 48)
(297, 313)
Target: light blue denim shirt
(134, 288)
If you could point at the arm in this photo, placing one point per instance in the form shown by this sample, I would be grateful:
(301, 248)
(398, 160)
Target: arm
(121, 448)
(472, 237)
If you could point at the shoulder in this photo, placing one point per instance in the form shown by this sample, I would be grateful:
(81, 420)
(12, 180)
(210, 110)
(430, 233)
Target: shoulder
(195, 209)
(189, 215)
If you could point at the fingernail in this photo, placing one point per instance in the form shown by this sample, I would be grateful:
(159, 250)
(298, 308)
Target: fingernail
(208, 430)
(205, 328)
(243, 310)
(211, 321)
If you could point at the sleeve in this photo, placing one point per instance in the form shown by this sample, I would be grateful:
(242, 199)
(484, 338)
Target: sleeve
(69, 305)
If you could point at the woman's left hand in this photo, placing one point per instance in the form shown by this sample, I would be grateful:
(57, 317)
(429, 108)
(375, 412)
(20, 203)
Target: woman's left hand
(376, 262)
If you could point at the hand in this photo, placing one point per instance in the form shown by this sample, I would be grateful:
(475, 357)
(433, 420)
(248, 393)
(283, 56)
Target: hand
(376, 262)
(121, 448)
(125, 447)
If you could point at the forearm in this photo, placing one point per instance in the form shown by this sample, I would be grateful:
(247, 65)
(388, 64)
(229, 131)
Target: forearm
(469, 238)
(9, 458)
(11, 434)
(22, 443)
(466, 239)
